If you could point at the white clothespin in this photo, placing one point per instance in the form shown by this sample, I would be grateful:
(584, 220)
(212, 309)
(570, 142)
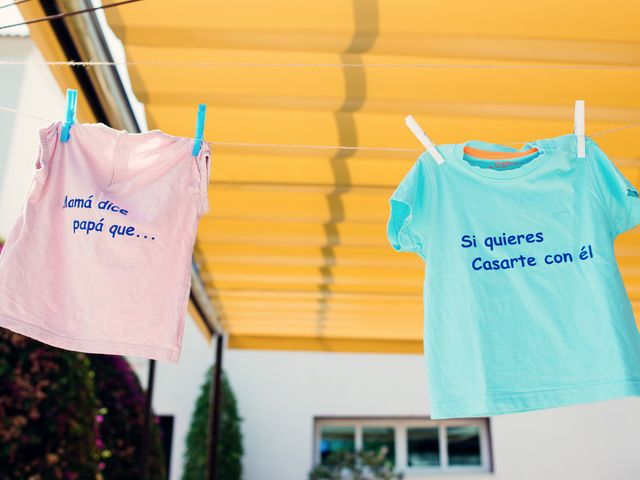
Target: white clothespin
(420, 135)
(578, 128)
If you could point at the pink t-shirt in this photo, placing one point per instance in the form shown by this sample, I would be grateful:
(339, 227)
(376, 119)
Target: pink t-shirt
(100, 258)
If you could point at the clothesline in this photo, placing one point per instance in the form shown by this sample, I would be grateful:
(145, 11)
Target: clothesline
(332, 147)
(61, 15)
(13, 4)
(152, 63)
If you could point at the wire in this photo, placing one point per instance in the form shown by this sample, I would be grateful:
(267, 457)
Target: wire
(313, 147)
(612, 130)
(68, 14)
(151, 63)
(335, 147)
(13, 4)
(18, 112)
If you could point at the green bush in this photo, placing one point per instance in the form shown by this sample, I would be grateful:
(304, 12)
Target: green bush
(361, 465)
(121, 421)
(230, 448)
(47, 412)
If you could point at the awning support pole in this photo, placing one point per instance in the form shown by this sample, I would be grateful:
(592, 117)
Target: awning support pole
(146, 430)
(215, 401)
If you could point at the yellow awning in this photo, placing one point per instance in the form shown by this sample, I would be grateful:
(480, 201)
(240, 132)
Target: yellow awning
(294, 250)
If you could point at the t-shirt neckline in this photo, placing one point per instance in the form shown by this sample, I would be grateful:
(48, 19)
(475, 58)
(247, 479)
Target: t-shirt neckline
(527, 168)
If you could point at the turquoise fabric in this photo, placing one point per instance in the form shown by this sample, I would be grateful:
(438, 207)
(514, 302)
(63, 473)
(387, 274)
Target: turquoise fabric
(525, 307)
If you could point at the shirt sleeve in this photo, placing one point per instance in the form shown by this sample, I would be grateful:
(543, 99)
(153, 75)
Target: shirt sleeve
(407, 225)
(203, 162)
(619, 196)
(48, 141)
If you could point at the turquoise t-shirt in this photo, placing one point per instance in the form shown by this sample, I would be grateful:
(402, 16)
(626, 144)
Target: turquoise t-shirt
(525, 307)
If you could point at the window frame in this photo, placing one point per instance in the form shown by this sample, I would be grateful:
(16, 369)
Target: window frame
(400, 427)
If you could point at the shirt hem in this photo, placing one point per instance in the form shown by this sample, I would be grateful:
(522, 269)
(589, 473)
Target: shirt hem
(109, 347)
(538, 400)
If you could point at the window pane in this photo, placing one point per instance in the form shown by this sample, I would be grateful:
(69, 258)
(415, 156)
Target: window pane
(423, 447)
(336, 439)
(375, 438)
(463, 445)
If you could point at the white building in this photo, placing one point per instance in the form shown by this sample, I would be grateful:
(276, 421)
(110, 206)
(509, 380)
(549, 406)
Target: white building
(295, 404)
(286, 397)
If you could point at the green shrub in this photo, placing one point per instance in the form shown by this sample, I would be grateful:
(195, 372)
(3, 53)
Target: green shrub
(361, 465)
(230, 448)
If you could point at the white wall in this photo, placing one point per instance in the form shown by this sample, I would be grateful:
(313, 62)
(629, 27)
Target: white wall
(279, 394)
(29, 89)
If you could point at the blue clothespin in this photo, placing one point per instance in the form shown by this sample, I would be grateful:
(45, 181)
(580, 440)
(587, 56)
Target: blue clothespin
(202, 110)
(72, 99)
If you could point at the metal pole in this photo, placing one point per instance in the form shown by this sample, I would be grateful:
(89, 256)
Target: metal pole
(215, 401)
(146, 430)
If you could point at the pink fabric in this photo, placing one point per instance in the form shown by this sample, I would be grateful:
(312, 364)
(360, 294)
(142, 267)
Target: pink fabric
(120, 288)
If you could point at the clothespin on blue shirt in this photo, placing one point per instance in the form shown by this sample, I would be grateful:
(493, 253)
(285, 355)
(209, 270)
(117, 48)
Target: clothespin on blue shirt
(70, 117)
(420, 135)
(578, 128)
(197, 143)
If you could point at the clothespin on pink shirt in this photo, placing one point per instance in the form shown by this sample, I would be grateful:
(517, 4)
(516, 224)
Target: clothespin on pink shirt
(70, 117)
(420, 135)
(578, 128)
(197, 143)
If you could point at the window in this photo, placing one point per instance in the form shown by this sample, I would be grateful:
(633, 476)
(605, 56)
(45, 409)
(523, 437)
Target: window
(418, 447)
(375, 438)
(336, 439)
(463, 444)
(423, 447)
